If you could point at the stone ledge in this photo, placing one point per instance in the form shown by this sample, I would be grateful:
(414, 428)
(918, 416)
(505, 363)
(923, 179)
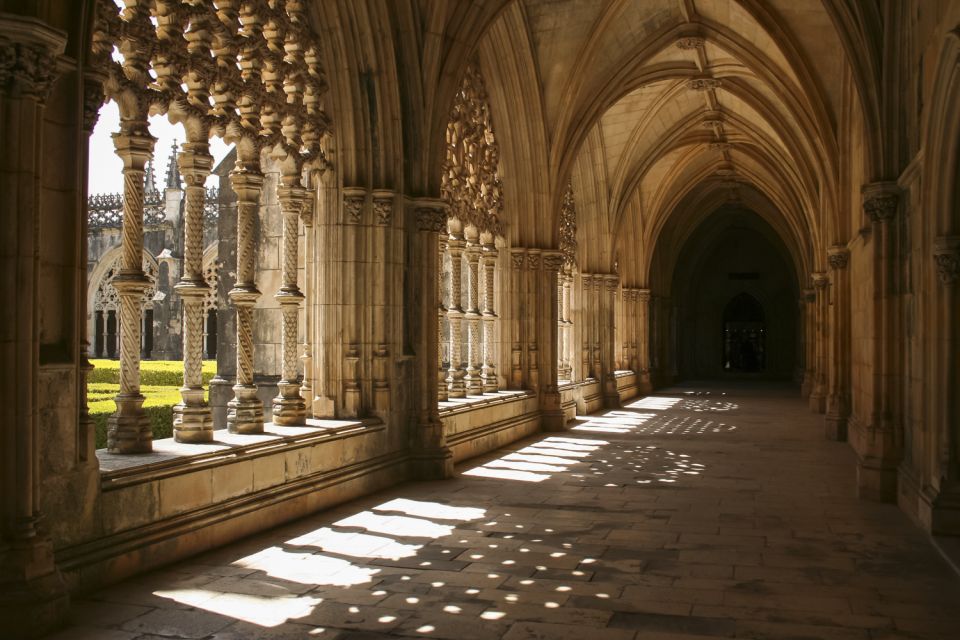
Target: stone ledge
(171, 457)
(461, 405)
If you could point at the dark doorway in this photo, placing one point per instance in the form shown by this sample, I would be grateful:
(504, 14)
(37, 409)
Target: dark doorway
(744, 335)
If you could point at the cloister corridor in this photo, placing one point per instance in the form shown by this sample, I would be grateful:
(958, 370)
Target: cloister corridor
(698, 512)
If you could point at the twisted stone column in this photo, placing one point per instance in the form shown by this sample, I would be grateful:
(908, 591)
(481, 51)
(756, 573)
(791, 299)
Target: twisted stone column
(442, 337)
(490, 384)
(838, 397)
(472, 380)
(245, 411)
(192, 418)
(456, 372)
(128, 429)
(289, 407)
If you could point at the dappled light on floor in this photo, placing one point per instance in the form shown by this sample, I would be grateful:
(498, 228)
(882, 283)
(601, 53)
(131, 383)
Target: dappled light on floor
(656, 525)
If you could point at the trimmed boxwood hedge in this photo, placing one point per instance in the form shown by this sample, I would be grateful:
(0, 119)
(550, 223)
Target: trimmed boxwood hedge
(160, 384)
(158, 373)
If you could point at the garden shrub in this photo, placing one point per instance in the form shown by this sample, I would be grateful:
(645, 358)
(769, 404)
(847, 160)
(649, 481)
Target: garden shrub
(168, 373)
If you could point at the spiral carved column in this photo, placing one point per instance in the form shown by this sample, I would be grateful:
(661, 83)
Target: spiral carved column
(128, 429)
(473, 383)
(192, 418)
(490, 384)
(456, 372)
(245, 411)
(443, 337)
(288, 406)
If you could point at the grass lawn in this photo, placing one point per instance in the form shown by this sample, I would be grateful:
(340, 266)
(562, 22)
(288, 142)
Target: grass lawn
(160, 382)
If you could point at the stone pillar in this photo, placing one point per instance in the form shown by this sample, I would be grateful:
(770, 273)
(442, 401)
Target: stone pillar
(310, 293)
(838, 397)
(456, 387)
(561, 327)
(381, 305)
(431, 458)
(192, 418)
(472, 380)
(609, 283)
(33, 597)
(532, 331)
(443, 338)
(128, 429)
(245, 411)
(808, 300)
(643, 338)
(550, 402)
(879, 442)
(940, 501)
(289, 407)
(566, 337)
(517, 312)
(489, 374)
(818, 392)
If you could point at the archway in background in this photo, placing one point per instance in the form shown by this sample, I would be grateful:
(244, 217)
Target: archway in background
(744, 335)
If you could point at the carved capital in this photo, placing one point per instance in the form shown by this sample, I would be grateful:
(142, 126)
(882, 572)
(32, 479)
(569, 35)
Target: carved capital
(809, 296)
(517, 257)
(28, 57)
(533, 261)
(431, 219)
(383, 210)
(838, 257)
(819, 279)
(353, 208)
(553, 261)
(880, 200)
(946, 254)
(93, 98)
(643, 295)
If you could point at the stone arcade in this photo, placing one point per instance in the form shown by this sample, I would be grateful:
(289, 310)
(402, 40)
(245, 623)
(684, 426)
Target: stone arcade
(454, 225)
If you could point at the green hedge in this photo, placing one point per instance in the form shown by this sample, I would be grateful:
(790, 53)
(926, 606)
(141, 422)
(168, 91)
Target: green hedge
(165, 373)
(160, 384)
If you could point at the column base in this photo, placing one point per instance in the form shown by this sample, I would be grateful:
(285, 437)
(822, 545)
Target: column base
(611, 395)
(432, 464)
(835, 427)
(551, 411)
(939, 510)
(817, 402)
(289, 408)
(245, 411)
(456, 387)
(473, 383)
(877, 479)
(33, 597)
(644, 386)
(192, 422)
(129, 429)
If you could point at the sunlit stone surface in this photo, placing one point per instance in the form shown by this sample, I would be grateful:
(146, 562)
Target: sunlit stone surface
(698, 512)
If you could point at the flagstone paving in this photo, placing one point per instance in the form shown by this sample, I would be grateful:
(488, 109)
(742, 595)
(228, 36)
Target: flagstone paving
(695, 513)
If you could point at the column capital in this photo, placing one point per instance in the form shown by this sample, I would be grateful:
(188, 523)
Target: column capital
(553, 260)
(28, 56)
(134, 144)
(353, 199)
(838, 256)
(808, 295)
(431, 219)
(946, 255)
(533, 259)
(517, 258)
(880, 200)
(383, 206)
(643, 295)
(819, 279)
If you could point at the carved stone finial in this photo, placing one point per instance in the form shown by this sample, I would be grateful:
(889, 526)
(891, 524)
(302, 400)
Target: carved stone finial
(946, 254)
(838, 256)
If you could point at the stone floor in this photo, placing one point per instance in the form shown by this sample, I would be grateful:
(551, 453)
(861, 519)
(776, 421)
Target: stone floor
(699, 512)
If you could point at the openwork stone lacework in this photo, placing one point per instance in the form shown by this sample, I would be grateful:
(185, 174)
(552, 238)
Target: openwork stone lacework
(106, 297)
(471, 184)
(105, 210)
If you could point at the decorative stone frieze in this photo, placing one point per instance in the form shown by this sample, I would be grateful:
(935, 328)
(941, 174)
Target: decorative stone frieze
(946, 255)
(838, 257)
